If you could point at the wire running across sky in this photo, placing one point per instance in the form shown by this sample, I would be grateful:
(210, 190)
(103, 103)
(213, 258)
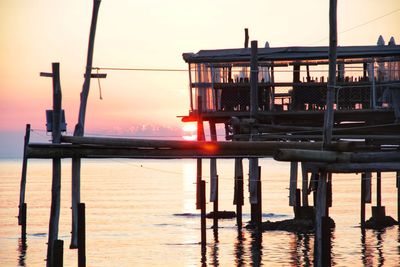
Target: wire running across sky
(360, 25)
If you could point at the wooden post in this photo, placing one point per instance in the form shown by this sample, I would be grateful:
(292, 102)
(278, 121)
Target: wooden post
(378, 189)
(320, 214)
(256, 205)
(200, 137)
(315, 182)
(81, 235)
(330, 94)
(238, 194)
(293, 183)
(23, 176)
(254, 79)
(203, 213)
(214, 178)
(368, 187)
(304, 185)
(246, 38)
(80, 127)
(398, 196)
(58, 253)
(56, 180)
(297, 206)
(328, 193)
(23, 221)
(378, 212)
(253, 184)
(362, 210)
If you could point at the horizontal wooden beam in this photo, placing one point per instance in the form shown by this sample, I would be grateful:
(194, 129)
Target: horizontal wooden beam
(46, 74)
(96, 147)
(336, 157)
(97, 75)
(221, 145)
(353, 167)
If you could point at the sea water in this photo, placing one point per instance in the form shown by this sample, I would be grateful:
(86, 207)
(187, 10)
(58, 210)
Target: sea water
(143, 213)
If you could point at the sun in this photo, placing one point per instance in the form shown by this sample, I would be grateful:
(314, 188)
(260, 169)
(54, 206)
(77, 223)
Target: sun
(189, 132)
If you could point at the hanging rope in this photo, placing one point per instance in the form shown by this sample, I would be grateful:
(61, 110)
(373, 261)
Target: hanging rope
(98, 82)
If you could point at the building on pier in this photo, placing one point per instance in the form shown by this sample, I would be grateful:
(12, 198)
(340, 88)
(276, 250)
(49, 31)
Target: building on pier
(291, 86)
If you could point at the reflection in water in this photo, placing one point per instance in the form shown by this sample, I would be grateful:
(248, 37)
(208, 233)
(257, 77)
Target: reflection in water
(323, 257)
(239, 249)
(256, 248)
(379, 246)
(214, 254)
(300, 250)
(203, 255)
(22, 246)
(368, 245)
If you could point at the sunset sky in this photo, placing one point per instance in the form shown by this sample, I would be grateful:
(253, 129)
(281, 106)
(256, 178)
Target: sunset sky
(149, 34)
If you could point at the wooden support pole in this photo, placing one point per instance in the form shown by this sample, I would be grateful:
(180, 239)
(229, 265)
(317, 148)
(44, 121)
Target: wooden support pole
(254, 79)
(200, 137)
(297, 206)
(378, 189)
(304, 185)
(362, 210)
(58, 253)
(56, 177)
(81, 235)
(330, 93)
(315, 182)
(398, 196)
(23, 176)
(293, 183)
(253, 180)
(23, 221)
(203, 213)
(256, 206)
(368, 187)
(214, 178)
(238, 199)
(328, 193)
(319, 220)
(246, 38)
(80, 126)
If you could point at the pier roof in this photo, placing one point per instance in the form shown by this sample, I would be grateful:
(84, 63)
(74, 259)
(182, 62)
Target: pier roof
(290, 53)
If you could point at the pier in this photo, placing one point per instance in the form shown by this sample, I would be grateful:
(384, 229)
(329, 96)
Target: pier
(343, 122)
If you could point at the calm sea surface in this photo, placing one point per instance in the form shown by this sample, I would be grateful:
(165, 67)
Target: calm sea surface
(135, 216)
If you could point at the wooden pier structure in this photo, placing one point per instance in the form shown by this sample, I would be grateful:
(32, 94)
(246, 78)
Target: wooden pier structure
(273, 102)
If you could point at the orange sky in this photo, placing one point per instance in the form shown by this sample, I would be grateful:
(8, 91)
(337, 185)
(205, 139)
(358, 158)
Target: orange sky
(150, 34)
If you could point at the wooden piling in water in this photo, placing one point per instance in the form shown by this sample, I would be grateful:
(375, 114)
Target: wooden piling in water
(362, 209)
(81, 235)
(23, 221)
(293, 183)
(304, 185)
(238, 199)
(203, 213)
(56, 176)
(21, 216)
(378, 212)
(368, 187)
(320, 222)
(58, 259)
(80, 126)
(398, 196)
(214, 187)
(378, 189)
(256, 196)
(297, 206)
(199, 165)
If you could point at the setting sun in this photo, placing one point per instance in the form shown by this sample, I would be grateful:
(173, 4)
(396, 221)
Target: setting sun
(189, 132)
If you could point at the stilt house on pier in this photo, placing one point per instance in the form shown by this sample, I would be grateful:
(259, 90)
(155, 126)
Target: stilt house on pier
(291, 91)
